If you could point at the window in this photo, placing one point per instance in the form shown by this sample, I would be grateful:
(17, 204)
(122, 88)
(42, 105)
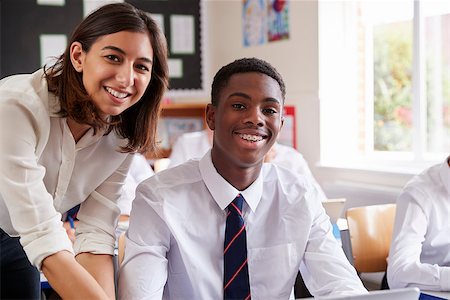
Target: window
(385, 82)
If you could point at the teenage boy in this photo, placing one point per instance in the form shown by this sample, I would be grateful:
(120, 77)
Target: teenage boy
(226, 226)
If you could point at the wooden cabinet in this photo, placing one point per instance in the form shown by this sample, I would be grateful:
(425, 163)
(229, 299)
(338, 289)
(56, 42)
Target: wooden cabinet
(176, 119)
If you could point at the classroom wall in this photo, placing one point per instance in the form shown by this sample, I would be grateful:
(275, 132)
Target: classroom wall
(297, 59)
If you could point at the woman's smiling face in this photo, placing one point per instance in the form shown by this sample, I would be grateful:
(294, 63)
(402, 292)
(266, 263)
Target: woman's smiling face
(116, 70)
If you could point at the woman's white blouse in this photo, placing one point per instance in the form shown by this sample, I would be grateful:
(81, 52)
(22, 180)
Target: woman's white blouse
(44, 173)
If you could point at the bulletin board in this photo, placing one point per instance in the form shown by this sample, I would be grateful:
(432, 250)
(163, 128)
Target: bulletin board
(21, 43)
(20, 40)
(181, 23)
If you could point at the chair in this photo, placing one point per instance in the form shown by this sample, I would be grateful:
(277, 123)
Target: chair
(370, 229)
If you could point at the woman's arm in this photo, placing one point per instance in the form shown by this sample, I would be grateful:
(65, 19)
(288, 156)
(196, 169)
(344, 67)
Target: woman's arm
(100, 266)
(70, 280)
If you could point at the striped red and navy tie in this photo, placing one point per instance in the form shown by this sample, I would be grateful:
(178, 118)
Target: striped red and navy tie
(235, 280)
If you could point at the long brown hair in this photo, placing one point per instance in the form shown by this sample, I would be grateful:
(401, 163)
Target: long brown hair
(138, 123)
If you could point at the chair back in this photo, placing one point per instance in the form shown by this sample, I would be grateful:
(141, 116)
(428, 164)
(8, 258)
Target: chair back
(370, 229)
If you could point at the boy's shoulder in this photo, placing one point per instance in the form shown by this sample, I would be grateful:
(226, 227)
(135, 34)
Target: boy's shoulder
(30, 92)
(284, 176)
(171, 187)
(185, 173)
(291, 188)
(31, 84)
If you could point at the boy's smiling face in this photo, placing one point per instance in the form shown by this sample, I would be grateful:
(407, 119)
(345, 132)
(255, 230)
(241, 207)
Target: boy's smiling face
(246, 120)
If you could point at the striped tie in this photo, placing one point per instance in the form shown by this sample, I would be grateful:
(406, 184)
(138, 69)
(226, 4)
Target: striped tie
(235, 281)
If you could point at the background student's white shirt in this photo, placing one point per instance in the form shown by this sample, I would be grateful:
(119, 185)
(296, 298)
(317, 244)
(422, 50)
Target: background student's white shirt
(189, 145)
(420, 248)
(177, 227)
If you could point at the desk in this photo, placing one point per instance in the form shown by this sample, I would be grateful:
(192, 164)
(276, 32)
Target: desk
(443, 295)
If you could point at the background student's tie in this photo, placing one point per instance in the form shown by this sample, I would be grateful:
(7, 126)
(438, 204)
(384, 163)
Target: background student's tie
(235, 280)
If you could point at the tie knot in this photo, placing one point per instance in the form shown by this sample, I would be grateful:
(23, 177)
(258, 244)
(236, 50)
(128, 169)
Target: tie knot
(236, 205)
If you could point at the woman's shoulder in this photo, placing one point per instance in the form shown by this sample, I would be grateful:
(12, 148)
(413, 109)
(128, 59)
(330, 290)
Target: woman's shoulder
(27, 90)
(24, 83)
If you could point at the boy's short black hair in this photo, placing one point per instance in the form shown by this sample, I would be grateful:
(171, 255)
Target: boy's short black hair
(243, 65)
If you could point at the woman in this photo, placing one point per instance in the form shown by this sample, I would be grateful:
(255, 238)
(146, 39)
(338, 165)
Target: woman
(66, 134)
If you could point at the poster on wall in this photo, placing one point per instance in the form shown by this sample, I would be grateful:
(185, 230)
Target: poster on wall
(254, 22)
(277, 20)
(265, 21)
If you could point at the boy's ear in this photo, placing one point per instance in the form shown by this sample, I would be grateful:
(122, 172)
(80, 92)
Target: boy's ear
(77, 56)
(211, 116)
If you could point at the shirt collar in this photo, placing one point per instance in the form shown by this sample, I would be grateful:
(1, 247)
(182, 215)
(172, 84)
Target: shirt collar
(54, 105)
(222, 191)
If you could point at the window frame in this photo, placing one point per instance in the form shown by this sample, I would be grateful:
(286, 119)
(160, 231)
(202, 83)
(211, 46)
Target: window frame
(403, 164)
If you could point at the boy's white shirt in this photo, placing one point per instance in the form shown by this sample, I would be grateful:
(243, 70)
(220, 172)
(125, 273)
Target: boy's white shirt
(174, 246)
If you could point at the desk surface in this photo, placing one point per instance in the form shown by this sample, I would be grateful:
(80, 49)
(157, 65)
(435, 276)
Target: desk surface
(444, 295)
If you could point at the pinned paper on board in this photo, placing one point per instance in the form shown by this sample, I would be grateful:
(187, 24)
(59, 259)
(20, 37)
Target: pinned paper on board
(265, 21)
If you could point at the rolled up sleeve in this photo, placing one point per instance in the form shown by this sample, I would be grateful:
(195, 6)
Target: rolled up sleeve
(98, 215)
(28, 203)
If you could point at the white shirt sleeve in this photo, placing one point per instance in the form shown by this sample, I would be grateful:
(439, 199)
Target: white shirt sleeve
(99, 213)
(325, 268)
(140, 170)
(25, 196)
(143, 273)
(404, 265)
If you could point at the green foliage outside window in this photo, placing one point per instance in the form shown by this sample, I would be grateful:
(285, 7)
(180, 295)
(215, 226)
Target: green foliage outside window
(393, 87)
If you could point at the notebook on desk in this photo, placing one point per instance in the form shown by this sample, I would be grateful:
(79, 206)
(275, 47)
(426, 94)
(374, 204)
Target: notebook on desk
(396, 294)
(432, 295)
